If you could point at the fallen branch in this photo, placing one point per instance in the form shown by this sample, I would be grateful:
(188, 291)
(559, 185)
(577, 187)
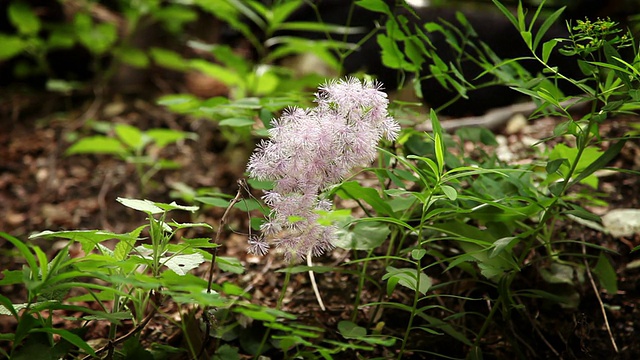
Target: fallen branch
(495, 118)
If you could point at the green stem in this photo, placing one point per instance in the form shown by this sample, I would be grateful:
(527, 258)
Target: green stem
(486, 323)
(356, 304)
(416, 298)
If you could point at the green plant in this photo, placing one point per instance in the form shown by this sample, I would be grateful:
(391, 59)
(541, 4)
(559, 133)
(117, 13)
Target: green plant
(132, 145)
(126, 281)
(503, 219)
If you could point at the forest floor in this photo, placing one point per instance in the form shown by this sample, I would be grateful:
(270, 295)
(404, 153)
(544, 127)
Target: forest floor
(42, 188)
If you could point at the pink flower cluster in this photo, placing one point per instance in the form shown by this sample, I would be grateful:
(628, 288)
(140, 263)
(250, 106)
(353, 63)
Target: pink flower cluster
(310, 150)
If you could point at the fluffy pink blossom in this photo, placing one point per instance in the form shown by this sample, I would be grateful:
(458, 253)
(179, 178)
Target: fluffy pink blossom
(311, 149)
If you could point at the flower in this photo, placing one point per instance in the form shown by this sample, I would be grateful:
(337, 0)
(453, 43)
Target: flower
(311, 149)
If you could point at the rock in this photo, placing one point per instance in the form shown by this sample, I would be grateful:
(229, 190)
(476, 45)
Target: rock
(622, 222)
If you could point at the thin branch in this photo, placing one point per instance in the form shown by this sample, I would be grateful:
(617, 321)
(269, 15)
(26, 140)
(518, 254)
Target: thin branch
(216, 241)
(595, 290)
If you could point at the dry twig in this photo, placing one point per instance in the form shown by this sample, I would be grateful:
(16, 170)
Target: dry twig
(595, 291)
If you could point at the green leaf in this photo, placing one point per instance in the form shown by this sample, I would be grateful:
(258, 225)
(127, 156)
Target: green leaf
(353, 190)
(526, 36)
(215, 71)
(553, 165)
(178, 99)
(68, 336)
(364, 236)
(164, 137)
(506, 12)
(182, 264)
(24, 251)
(230, 264)
(227, 352)
(450, 192)
(168, 59)
(97, 145)
(237, 122)
(600, 162)
(281, 11)
(174, 206)
(23, 18)
(62, 86)
(547, 48)
(133, 349)
(606, 274)
(438, 141)
(375, 5)
(11, 277)
(407, 277)
(548, 22)
(350, 330)
(175, 17)
(558, 274)
(418, 254)
(500, 245)
(61, 38)
(131, 136)
(132, 56)
(257, 314)
(392, 56)
(11, 46)
(213, 201)
(141, 205)
(88, 238)
(6, 307)
(98, 38)
(247, 205)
